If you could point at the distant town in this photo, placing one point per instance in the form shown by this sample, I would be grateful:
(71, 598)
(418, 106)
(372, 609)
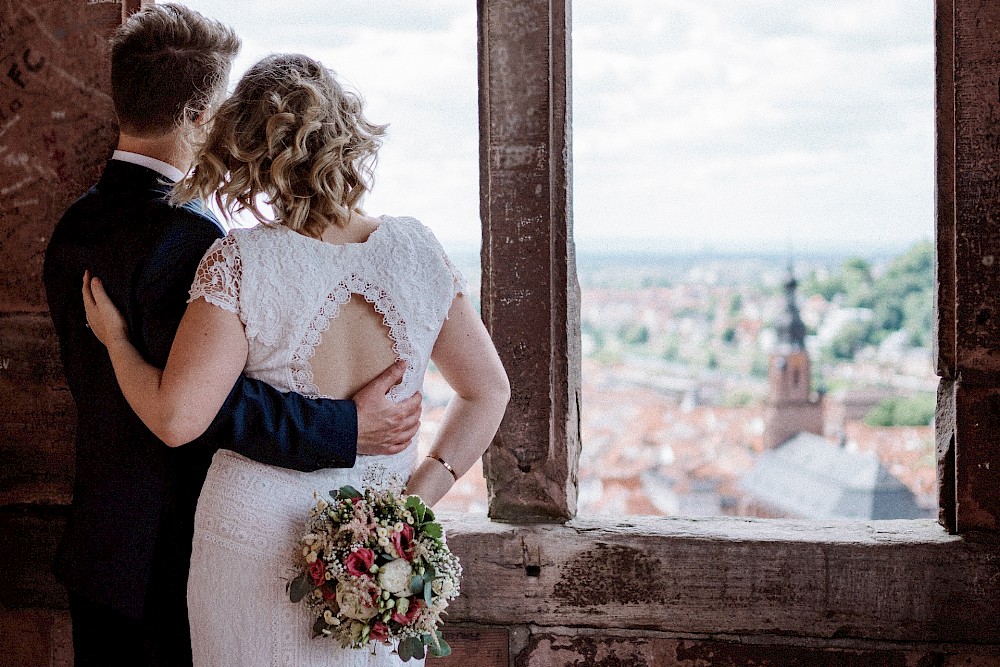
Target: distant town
(748, 385)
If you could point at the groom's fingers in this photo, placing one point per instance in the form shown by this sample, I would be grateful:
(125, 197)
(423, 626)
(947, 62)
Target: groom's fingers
(88, 297)
(385, 427)
(387, 378)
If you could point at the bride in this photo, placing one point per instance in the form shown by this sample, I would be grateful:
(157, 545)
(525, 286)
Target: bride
(318, 301)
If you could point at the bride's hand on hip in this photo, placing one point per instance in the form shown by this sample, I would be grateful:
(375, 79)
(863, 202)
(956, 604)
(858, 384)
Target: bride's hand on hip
(103, 317)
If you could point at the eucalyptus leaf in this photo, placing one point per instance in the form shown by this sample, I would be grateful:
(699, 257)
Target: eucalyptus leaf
(442, 649)
(418, 513)
(404, 650)
(427, 593)
(409, 648)
(416, 585)
(347, 491)
(299, 587)
(318, 627)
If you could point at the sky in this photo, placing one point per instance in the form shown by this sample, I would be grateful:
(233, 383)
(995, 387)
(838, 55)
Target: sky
(697, 124)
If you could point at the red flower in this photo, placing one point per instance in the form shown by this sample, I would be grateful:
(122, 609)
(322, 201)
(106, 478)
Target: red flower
(403, 542)
(411, 613)
(328, 593)
(359, 562)
(380, 632)
(317, 570)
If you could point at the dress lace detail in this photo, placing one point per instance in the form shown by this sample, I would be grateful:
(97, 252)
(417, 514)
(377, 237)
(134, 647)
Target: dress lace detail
(218, 277)
(302, 377)
(286, 289)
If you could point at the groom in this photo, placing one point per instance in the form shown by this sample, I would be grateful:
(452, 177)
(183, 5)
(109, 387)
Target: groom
(124, 557)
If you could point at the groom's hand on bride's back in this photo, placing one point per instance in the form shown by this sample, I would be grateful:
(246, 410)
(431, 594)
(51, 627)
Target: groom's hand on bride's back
(385, 427)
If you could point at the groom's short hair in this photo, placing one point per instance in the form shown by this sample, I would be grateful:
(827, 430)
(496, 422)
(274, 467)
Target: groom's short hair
(168, 64)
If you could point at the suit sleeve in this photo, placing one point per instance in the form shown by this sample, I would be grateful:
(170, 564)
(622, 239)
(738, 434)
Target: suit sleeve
(257, 420)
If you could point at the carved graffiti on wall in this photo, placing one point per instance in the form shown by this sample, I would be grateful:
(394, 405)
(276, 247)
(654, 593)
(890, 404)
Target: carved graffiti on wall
(56, 127)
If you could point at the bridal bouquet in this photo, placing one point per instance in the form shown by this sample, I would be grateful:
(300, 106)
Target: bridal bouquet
(376, 568)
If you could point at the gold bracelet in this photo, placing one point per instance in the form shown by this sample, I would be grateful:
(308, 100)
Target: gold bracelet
(445, 464)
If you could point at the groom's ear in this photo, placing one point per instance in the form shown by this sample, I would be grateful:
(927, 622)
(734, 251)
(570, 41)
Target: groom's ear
(199, 118)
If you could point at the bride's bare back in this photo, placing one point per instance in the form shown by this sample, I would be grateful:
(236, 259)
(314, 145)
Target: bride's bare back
(353, 351)
(357, 346)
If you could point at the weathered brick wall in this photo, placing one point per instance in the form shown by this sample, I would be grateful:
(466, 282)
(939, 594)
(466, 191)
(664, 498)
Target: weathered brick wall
(56, 129)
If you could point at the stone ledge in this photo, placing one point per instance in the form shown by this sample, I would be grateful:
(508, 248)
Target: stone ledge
(899, 581)
(568, 649)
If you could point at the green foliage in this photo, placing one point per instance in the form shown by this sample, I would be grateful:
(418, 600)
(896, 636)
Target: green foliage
(903, 411)
(901, 298)
(729, 335)
(597, 335)
(439, 648)
(346, 492)
(634, 334)
(905, 294)
(299, 587)
(760, 366)
(739, 399)
(409, 648)
(735, 305)
(850, 339)
(672, 351)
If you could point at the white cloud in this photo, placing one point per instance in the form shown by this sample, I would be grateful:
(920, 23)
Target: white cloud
(703, 121)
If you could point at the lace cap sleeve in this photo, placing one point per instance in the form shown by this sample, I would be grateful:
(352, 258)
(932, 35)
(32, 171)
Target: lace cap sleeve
(219, 274)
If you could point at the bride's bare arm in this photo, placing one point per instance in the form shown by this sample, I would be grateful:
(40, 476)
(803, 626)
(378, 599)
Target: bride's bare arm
(468, 360)
(207, 356)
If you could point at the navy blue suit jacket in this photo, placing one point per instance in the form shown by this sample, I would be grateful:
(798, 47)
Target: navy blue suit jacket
(131, 520)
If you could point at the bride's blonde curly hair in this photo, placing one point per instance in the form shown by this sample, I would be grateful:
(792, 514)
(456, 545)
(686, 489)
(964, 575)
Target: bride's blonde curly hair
(291, 133)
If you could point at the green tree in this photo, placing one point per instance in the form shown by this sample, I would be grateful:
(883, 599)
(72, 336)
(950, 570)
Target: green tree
(672, 351)
(735, 305)
(849, 340)
(903, 411)
(634, 334)
(904, 295)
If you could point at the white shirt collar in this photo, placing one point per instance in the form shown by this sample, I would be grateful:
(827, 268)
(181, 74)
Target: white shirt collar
(159, 166)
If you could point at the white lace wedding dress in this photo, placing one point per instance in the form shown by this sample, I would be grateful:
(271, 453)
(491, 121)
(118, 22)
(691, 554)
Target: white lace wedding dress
(286, 288)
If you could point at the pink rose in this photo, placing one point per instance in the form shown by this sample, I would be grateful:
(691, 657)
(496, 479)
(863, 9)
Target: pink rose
(380, 632)
(317, 570)
(359, 562)
(402, 540)
(411, 613)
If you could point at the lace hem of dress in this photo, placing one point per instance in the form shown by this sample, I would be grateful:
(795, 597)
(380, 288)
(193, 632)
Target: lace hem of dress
(302, 380)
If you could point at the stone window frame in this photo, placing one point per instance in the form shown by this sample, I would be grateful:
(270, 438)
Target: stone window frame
(531, 297)
(903, 584)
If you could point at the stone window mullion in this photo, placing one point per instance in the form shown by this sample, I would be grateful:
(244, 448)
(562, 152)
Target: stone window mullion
(530, 294)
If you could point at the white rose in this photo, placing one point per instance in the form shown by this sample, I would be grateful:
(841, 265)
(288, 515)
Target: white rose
(395, 576)
(443, 587)
(354, 604)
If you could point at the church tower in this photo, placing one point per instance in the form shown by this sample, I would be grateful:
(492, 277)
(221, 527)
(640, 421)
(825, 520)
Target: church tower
(790, 408)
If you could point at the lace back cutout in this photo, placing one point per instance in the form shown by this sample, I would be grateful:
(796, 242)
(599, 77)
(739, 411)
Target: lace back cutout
(343, 352)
